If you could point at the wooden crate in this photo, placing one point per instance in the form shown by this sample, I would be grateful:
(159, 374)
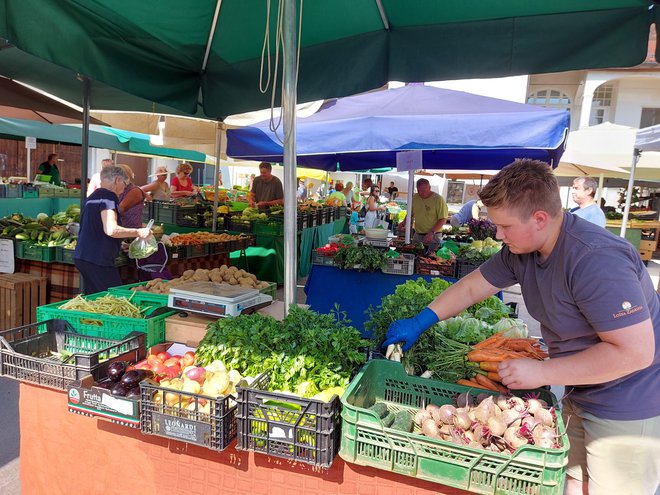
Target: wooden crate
(646, 245)
(20, 294)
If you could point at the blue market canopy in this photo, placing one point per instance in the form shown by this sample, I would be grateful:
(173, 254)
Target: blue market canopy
(455, 130)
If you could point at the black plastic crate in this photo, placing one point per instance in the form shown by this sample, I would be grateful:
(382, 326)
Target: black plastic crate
(196, 250)
(286, 426)
(235, 223)
(164, 212)
(301, 221)
(167, 413)
(177, 252)
(147, 211)
(27, 355)
(465, 267)
(219, 247)
(188, 216)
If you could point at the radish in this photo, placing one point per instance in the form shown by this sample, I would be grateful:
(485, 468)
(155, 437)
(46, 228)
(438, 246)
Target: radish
(421, 415)
(497, 425)
(544, 416)
(513, 438)
(430, 429)
(485, 410)
(462, 420)
(445, 414)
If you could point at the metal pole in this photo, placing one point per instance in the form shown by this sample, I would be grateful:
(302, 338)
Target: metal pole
(28, 165)
(599, 193)
(84, 159)
(289, 96)
(411, 191)
(631, 182)
(218, 151)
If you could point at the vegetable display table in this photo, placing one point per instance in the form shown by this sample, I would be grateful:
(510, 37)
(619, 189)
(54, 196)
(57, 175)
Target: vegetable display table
(33, 206)
(63, 453)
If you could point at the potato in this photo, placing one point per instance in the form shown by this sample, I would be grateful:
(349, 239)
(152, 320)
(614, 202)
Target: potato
(216, 277)
(253, 277)
(187, 274)
(201, 275)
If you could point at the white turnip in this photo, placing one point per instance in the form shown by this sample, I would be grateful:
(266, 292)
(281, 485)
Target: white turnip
(430, 429)
(544, 416)
(485, 410)
(445, 414)
(462, 420)
(497, 425)
(502, 402)
(513, 438)
(420, 416)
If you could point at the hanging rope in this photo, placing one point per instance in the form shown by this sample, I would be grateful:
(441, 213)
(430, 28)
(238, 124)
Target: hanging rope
(272, 76)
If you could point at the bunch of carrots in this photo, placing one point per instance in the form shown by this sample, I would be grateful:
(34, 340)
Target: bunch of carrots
(491, 352)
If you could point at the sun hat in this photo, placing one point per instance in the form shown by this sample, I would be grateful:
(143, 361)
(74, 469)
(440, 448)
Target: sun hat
(161, 170)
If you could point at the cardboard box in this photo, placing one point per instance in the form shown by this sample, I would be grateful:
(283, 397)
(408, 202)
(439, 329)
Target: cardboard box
(647, 245)
(85, 398)
(189, 330)
(646, 255)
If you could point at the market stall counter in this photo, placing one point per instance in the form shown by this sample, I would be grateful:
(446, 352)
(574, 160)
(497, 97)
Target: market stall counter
(63, 452)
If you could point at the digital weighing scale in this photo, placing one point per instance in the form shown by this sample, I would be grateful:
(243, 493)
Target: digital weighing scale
(216, 299)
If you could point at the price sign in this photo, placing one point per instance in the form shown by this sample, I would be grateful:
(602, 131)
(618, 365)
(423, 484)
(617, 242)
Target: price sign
(30, 143)
(409, 160)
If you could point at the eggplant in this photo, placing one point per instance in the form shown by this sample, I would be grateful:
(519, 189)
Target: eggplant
(116, 370)
(132, 379)
(106, 384)
(119, 390)
(133, 393)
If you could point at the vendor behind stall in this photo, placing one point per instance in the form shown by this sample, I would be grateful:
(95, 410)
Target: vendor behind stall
(469, 211)
(429, 214)
(100, 235)
(159, 189)
(266, 189)
(49, 167)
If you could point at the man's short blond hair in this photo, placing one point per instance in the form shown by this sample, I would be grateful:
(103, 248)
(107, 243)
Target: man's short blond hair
(525, 186)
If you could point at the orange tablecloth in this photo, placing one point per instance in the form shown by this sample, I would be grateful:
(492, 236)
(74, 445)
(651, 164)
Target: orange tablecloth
(64, 453)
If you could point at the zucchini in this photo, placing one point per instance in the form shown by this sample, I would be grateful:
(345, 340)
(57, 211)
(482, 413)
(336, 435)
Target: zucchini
(403, 421)
(380, 409)
(388, 420)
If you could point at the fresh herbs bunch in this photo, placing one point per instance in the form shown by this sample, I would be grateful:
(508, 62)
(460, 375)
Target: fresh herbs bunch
(367, 258)
(307, 352)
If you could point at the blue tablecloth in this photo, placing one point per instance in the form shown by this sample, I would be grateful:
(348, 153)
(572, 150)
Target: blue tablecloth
(352, 290)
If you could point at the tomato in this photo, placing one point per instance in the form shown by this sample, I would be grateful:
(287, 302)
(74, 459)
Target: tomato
(171, 372)
(164, 356)
(188, 359)
(153, 359)
(171, 361)
(175, 369)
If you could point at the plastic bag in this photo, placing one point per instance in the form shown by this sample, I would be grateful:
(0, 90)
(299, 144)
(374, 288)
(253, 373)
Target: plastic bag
(142, 248)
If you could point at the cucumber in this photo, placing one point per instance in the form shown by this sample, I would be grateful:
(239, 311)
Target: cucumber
(403, 421)
(388, 420)
(380, 409)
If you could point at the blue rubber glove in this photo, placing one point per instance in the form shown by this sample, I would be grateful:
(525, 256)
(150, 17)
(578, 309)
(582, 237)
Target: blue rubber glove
(409, 330)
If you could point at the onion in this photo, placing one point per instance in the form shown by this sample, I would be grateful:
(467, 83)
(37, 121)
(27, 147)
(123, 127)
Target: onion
(497, 425)
(445, 414)
(430, 429)
(544, 416)
(462, 420)
(513, 438)
(421, 415)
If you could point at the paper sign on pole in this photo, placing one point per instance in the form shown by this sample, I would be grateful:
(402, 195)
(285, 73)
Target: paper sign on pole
(409, 160)
(6, 256)
(31, 142)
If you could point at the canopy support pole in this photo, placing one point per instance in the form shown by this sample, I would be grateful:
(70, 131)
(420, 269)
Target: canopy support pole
(631, 182)
(218, 148)
(411, 191)
(84, 149)
(289, 96)
(601, 182)
(28, 164)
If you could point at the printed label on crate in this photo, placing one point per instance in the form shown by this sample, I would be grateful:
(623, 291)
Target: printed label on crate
(98, 402)
(181, 429)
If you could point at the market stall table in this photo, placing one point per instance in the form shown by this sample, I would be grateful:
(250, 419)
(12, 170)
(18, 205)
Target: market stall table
(33, 206)
(63, 452)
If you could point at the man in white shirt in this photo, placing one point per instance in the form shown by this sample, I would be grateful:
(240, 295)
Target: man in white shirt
(95, 180)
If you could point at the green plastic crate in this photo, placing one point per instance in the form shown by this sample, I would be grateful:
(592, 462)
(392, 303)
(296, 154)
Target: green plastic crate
(365, 441)
(63, 255)
(29, 251)
(109, 327)
(274, 227)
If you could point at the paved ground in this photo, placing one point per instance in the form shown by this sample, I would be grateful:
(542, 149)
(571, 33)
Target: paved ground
(9, 426)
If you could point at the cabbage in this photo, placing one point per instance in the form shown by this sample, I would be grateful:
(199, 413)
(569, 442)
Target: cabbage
(512, 328)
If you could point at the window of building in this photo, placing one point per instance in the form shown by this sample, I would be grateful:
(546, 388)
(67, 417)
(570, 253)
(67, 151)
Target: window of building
(601, 104)
(650, 116)
(550, 98)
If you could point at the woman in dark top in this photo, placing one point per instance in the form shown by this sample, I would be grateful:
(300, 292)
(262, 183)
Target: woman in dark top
(131, 202)
(100, 235)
